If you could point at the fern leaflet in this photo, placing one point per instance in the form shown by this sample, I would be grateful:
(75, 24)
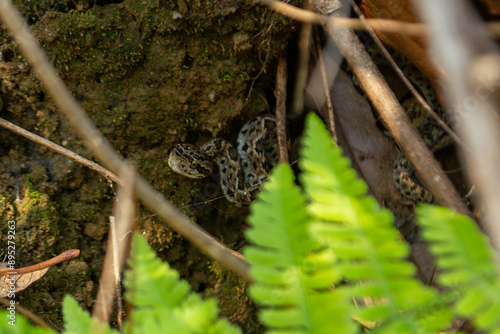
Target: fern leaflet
(360, 233)
(467, 262)
(293, 273)
(163, 302)
(78, 321)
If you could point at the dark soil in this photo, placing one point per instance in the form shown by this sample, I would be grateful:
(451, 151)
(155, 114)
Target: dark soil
(150, 74)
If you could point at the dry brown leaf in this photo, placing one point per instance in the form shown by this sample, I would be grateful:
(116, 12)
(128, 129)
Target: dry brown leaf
(15, 280)
(371, 152)
(372, 155)
(412, 47)
(11, 284)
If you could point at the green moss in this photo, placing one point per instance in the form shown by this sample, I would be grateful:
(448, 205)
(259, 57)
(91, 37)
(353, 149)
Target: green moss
(99, 42)
(147, 78)
(232, 299)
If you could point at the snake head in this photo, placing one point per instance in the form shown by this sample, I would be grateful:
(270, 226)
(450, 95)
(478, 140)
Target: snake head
(190, 161)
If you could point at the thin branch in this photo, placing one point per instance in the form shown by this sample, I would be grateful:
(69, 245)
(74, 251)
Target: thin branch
(326, 92)
(382, 25)
(388, 26)
(64, 256)
(281, 77)
(103, 150)
(122, 235)
(64, 151)
(262, 68)
(383, 99)
(117, 248)
(407, 82)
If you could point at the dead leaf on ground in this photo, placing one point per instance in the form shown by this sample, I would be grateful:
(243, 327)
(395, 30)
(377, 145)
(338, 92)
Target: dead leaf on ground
(15, 280)
(372, 153)
(10, 284)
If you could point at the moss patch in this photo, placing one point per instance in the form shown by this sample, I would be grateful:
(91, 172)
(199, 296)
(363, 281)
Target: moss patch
(150, 74)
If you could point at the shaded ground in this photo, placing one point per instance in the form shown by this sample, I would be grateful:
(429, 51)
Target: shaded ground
(150, 74)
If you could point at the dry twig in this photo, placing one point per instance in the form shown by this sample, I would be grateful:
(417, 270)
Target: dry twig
(407, 82)
(117, 249)
(281, 77)
(64, 151)
(326, 92)
(382, 25)
(64, 256)
(389, 26)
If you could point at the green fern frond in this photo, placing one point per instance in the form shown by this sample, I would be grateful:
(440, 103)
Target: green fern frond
(467, 263)
(360, 233)
(162, 302)
(78, 321)
(293, 273)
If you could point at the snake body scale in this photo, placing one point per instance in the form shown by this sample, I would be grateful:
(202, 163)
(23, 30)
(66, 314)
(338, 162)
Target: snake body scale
(242, 169)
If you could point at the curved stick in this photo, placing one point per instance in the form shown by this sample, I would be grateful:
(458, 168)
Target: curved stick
(64, 256)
